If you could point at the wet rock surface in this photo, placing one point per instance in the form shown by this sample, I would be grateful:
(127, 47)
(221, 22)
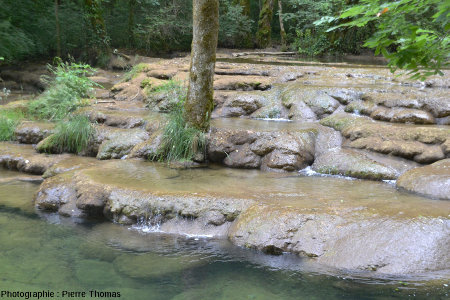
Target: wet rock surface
(350, 163)
(287, 150)
(33, 132)
(423, 144)
(325, 229)
(432, 180)
(24, 158)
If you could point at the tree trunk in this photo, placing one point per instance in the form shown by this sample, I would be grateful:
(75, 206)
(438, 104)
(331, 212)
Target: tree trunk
(245, 6)
(58, 31)
(199, 102)
(263, 36)
(282, 31)
(101, 46)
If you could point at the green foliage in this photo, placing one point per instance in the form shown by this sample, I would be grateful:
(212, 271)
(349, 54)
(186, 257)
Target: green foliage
(180, 142)
(167, 96)
(14, 43)
(311, 43)
(171, 86)
(71, 136)
(168, 26)
(135, 70)
(235, 28)
(411, 34)
(65, 93)
(9, 119)
(312, 39)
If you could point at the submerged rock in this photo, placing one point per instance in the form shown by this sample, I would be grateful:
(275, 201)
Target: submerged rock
(432, 181)
(151, 265)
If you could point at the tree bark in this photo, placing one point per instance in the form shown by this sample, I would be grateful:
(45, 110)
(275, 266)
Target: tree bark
(282, 31)
(199, 103)
(58, 31)
(263, 36)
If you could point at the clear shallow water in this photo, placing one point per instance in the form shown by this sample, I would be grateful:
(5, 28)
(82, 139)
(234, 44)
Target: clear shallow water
(44, 252)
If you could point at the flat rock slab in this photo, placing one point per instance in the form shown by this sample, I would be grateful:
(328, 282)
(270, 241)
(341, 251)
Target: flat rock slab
(361, 226)
(25, 159)
(422, 144)
(347, 162)
(432, 180)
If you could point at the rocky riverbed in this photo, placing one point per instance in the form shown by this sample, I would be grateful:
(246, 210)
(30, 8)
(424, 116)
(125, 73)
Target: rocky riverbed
(387, 139)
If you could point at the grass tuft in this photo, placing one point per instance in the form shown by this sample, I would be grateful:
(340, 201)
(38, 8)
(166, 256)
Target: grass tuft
(9, 119)
(180, 142)
(135, 71)
(71, 136)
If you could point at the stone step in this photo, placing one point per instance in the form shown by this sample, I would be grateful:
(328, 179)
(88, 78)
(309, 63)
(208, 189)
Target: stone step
(338, 223)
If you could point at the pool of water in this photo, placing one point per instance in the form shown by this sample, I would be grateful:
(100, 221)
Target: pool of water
(41, 251)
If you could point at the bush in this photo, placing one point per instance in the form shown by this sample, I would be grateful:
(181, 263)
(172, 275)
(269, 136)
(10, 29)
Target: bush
(65, 93)
(310, 43)
(71, 136)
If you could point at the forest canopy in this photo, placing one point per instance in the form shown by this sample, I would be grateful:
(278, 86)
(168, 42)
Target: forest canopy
(412, 34)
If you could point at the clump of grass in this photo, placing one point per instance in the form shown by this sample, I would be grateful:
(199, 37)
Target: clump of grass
(71, 136)
(180, 142)
(9, 119)
(135, 70)
(165, 97)
(65, 93)
(171, 85)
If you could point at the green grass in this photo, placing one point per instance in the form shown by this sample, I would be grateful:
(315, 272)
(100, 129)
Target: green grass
(65, 93)
(9, 119)
(166, 97)
(170, 86)
(71, 136)
(180, 142)
(134, 71)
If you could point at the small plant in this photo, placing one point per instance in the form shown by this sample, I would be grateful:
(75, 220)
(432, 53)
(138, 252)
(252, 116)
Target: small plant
(166, 97)
(4, 94)
(71, 136)
(180, 142)
(9, 120)
(135, 71)
(65, 93)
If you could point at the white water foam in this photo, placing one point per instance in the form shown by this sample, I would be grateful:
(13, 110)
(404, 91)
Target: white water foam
(308, 171)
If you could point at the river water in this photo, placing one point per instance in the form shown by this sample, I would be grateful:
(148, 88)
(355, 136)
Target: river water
(42, 251)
